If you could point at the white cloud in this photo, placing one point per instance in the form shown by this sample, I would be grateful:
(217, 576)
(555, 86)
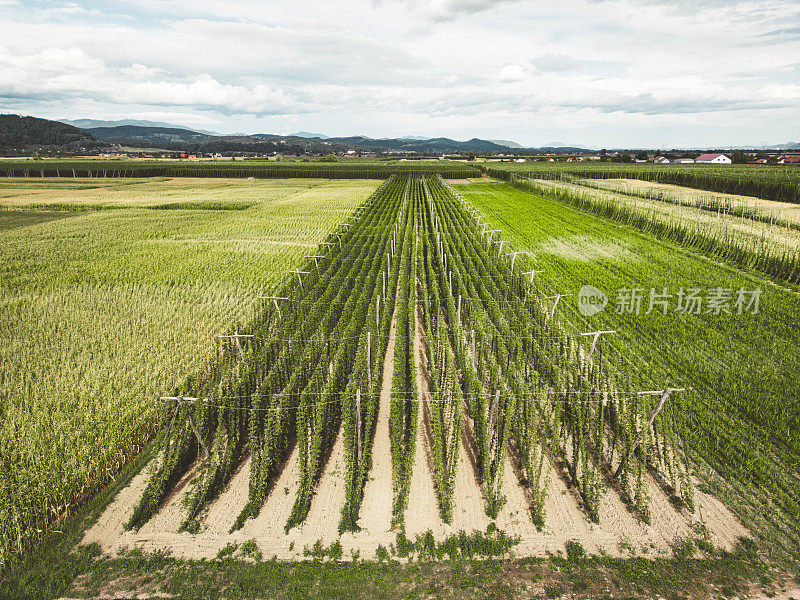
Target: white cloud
(512, 73)
(406, 65)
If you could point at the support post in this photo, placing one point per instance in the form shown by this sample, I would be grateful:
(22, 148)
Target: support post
(236, 336)
(532, 273)
(557, 299)
(199, 439)
(275, 300)
(596, 335)
(473, 347)
(637, 440)
(358, 422)
(493, 420)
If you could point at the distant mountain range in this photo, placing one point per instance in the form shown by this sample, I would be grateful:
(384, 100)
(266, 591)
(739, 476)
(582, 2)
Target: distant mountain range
(306, 134)
(172, 138)
(92, 123)
(507, 143)
(25, 135)
(149, 135)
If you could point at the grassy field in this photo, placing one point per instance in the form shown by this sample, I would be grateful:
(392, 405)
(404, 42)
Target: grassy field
(738, 416)
(742, 240)
(112, 293)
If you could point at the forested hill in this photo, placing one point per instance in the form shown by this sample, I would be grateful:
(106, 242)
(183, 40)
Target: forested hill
(22, 135)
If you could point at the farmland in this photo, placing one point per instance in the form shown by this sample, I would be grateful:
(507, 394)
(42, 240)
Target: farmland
(420, 383)
(777, 182)
(495, 415)
(113, 293)
(259, 168)
(739, 367)
(762, 239)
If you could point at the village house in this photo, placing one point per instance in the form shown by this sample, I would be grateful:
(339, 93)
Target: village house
(715, 159)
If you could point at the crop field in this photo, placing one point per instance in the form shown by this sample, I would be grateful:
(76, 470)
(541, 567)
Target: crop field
(113, 293)
(383, 369)
(763, 240)
(738, 415)
(769, 182)
(748, 207)
(410, 384)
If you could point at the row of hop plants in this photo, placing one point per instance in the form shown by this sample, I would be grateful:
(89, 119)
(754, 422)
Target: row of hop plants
(533, 366)
(770, 183)
(481, 378)
(404, 406)
(341, 322)
(765, 253)
(246, 400)
(318, 422)
(122, 168)
(445, 409)
(368, 374)
(728, 441)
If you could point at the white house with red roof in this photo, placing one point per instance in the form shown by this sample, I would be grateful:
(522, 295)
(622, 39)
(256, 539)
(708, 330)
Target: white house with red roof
(716, 159)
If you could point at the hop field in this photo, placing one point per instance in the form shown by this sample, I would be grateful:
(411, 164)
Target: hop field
(422, 370)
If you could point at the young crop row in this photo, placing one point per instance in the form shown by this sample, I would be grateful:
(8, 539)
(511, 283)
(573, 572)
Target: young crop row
(761, 247)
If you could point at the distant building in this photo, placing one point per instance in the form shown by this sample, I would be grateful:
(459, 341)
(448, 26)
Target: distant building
(786, 160)
(683, 160)
(716, 159)
(660, 160)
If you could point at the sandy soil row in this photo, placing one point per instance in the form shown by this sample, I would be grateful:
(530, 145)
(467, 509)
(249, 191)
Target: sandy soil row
(376, 507)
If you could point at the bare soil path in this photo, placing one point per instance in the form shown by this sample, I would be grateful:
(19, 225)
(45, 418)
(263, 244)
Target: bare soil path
(375, 518)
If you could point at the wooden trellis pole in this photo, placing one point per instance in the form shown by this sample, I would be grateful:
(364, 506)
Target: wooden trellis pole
(532, 273)
(180, 400)
(637, 440)
(316, 261)
(275, 300)
(298, 272)
(236, 336)
(596, 335)
(557, 297)
(358, 422)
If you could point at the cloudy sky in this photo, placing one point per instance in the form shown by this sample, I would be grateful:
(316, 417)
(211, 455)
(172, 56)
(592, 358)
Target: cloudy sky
(614, 73)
